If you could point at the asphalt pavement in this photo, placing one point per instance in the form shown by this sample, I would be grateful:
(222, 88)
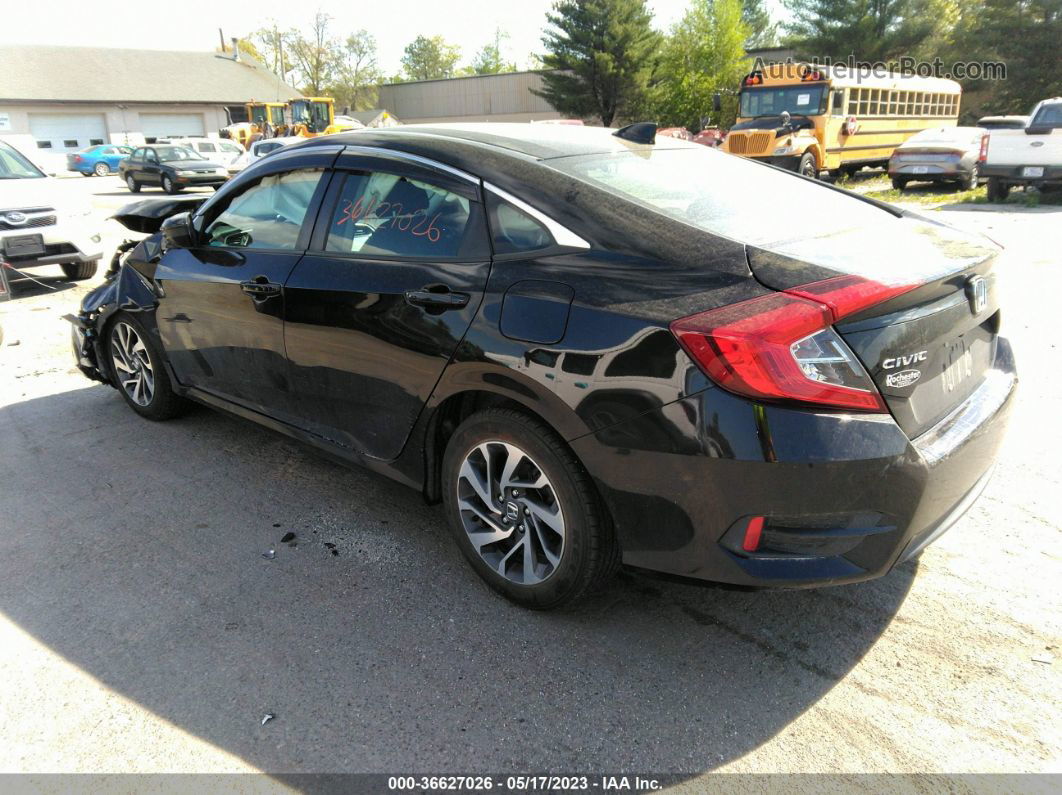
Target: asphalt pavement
(142, 628)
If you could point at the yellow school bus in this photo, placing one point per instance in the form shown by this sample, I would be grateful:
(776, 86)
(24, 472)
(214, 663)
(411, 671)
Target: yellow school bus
(811, 118)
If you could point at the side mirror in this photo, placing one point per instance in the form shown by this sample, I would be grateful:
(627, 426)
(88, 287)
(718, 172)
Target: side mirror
(717, 102)
(177, 231)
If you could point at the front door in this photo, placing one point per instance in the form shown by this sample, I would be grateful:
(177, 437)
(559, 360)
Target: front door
(222, 314)
(394, 275)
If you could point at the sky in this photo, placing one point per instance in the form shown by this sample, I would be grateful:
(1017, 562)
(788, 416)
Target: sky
(467, 23)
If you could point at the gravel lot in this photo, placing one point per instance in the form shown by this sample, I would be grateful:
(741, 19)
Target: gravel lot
(142, 630)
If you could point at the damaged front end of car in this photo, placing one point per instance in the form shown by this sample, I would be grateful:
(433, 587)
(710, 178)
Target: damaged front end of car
(129, 284)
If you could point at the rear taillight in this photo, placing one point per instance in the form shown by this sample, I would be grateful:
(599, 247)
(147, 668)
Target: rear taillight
(782, 347)
(78, 158)
(983, 154)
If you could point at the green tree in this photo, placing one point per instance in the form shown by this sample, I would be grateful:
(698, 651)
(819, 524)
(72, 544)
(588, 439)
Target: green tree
(869, 30)
(272, 45)
(704, 54)
(357, 73)
(762, 31)
(489, 60)
(603, 55)
(314, 55)
(430, 59)
(1023, 34)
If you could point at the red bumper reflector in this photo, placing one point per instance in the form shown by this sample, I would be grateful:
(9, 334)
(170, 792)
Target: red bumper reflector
(752, 534)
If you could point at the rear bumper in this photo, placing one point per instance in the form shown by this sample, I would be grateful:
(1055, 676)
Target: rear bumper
(845, 497)
(1012, 175)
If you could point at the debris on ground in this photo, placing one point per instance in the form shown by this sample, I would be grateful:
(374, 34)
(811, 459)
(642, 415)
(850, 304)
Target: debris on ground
(332, 549)
(269, 554)
(287, 538)
(1044, 658)
(267, 717)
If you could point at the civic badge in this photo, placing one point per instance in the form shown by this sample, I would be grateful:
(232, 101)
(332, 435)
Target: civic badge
(15, 218)
(977, 293)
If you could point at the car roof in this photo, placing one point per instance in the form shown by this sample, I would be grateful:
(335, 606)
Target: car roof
(536, 141)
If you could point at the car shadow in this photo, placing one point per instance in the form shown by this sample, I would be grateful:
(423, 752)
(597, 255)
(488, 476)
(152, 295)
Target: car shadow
(135, 551)
(39, 284)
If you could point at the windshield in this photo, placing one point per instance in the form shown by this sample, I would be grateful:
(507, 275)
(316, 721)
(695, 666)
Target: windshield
(13, 165)
(722, 194)
(170, 153)
(806, 100)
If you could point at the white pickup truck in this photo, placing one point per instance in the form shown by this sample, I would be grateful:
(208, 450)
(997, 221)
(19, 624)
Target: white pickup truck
(1030, 156)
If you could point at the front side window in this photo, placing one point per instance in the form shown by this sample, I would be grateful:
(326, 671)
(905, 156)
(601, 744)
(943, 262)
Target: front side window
(383, 214)
(266, 215)
(206, 147)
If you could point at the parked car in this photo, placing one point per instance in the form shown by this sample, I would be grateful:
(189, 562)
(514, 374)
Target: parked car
(939, 154)
(1029, 157)
(216, 150)
(173, 168)
(710, 136)
(39, 225)
(260, 149)
(590, 345)
(100, 160)
(1003, 122)
(676, 132)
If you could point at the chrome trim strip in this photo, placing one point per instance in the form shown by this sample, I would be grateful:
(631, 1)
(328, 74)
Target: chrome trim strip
(561, 234)
(378, 151)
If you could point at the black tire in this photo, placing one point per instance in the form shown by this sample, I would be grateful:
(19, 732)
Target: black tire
(170, 186)
(899, 183)
(589, 555)
(79, 271)
(86, 173)
(102, 170)
(808, 167)
(164, 403)
(132, 184)
(971, 180)
(997, 190)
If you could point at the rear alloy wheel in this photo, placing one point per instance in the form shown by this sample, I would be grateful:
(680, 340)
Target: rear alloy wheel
(102, 170)
(970, 181)
(79, 271)
(998, 190)
(899, 183)
(169, 185)
(524, 511)
(136, 364)
(808, 167)
(132, 184)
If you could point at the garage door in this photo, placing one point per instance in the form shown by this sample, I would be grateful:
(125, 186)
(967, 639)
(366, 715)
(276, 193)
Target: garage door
(67, 132)
(171, 125)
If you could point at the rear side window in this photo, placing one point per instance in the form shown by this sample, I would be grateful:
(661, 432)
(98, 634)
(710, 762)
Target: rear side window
(268, 214)
(512, 230)
(390, 215)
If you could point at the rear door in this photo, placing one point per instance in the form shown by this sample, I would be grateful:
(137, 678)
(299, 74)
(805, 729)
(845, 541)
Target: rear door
(395, 273)
(221, 315)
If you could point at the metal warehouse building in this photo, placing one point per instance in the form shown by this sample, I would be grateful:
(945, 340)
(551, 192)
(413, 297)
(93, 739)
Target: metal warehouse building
(500, 97)
(68, 98)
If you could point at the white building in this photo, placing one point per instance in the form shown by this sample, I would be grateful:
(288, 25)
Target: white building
(62, 99)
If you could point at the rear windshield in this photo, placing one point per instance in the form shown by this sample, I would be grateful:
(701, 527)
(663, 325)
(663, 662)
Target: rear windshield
(723, 194)
(947, 135)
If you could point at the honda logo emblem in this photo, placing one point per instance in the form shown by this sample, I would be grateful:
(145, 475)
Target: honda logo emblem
(977, 293)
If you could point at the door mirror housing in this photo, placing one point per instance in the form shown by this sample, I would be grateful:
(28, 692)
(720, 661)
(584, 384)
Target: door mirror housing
(178, 232)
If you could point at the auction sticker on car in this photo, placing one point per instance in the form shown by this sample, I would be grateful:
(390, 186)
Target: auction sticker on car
(1032, 171)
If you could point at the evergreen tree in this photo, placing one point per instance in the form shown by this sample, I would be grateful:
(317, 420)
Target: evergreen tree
(762, 31)
(603, 55)
(869, 30)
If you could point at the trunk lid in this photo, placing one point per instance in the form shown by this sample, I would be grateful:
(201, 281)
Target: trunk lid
(926, 349)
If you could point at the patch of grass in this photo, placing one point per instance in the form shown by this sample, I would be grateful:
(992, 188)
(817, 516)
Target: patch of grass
(930, 195)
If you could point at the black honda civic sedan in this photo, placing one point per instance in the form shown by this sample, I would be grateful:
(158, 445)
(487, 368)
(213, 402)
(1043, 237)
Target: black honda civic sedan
(594, 348)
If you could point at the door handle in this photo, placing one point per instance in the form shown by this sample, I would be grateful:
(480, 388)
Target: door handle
(436, 296)
(260, 287)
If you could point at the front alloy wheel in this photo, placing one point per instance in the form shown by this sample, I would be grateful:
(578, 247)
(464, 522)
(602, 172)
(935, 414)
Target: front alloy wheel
(511, 513)
(132, 364)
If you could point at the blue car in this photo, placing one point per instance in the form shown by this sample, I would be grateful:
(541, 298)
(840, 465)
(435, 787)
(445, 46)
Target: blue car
(100, 160)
